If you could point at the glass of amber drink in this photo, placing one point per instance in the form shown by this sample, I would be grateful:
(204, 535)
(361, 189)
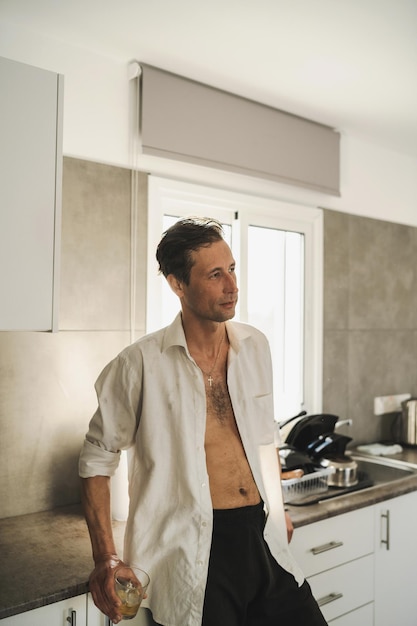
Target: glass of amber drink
(130, 583)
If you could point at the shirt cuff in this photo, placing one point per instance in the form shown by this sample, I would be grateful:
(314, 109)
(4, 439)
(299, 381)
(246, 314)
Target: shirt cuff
(96, 461)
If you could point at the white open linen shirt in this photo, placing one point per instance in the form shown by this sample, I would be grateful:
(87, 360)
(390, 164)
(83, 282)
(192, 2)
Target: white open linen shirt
(152, 402)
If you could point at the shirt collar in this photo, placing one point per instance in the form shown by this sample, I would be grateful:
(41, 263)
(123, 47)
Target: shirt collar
(174, 334)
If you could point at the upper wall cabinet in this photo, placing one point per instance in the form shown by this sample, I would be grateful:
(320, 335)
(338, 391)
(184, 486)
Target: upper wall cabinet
(31, 104)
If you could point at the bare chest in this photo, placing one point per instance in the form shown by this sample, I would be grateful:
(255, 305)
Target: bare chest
(219, 405)
(231, 481)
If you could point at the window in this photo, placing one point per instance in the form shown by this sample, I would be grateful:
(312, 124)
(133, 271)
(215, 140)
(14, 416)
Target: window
(275, 304)
(278, 250)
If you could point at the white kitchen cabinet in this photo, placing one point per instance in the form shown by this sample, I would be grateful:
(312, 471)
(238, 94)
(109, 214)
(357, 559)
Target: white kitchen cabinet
(77, 611)
(342, 589)
(96, 617)
(395, 561)
(333, 541)
(71, 612)
(30, 195)
(336, 556)
(359, 617)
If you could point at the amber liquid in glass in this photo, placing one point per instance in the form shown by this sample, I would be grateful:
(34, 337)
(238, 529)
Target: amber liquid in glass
(131, 599)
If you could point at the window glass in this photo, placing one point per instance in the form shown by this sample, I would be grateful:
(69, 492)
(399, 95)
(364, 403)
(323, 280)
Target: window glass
(276, 305)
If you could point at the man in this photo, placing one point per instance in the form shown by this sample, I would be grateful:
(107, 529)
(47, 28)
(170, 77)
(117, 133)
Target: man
(192, 404)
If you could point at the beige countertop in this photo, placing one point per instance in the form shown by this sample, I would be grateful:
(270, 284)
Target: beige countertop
(46, 557)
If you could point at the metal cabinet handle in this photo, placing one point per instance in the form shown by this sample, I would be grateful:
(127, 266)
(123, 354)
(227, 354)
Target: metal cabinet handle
(72, 617)
(330, 598)
(107, 621)
(386, 541)
(326, 546)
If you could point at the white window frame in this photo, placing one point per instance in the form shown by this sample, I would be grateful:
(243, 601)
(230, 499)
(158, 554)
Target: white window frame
(180, 198)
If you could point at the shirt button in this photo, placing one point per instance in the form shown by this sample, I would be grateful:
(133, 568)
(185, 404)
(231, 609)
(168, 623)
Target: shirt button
(203, 484)
(204, 524)
(199, 563)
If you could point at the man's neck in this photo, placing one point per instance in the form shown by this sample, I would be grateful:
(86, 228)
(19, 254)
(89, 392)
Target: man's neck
(203, 335)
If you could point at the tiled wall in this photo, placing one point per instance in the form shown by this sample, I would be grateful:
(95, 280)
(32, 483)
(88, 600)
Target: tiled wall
(370, 319)
(47, 380)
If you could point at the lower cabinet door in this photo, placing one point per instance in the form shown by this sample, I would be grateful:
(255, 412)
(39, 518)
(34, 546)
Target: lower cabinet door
(96, 617)
(329, 543)
(395, 561)
(71, 612)
(344, 588)
(361, 617)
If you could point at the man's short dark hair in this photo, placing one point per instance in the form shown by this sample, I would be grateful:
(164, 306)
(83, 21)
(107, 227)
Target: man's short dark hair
(180, 240)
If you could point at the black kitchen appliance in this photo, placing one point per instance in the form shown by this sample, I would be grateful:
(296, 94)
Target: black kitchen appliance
(315, 436)
(313, 444)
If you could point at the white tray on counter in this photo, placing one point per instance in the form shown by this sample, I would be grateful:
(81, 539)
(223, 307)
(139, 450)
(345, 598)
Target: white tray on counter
(309, 484)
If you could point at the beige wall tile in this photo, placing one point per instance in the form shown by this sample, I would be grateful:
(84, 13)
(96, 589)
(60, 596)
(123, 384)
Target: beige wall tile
(96, 247)
(47, 398)
(371, 271)
(336, 270)
(383, 274)
(335, 365)
(381, 362)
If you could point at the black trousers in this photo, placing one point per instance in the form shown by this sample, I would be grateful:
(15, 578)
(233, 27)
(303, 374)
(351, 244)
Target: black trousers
(246, 586)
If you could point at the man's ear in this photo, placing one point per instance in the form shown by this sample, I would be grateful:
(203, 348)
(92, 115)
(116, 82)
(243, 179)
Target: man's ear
(175, 284)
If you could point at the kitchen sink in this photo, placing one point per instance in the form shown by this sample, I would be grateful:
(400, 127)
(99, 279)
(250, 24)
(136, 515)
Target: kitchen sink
(372, 472)
(382, 470)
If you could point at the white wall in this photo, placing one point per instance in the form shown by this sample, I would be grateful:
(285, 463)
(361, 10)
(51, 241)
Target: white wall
(375, 182)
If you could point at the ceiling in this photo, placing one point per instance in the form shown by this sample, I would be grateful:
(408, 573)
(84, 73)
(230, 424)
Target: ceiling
(350, 64)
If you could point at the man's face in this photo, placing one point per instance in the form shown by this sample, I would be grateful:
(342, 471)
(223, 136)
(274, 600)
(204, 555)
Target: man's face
(212, 292)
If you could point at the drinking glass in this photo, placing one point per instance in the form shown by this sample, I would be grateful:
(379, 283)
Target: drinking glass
(131, 584)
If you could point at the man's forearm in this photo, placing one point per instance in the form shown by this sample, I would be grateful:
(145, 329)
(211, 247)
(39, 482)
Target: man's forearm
(96, 503)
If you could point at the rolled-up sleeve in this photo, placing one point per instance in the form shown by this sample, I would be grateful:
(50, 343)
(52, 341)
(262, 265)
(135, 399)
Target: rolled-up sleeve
(96, 461)
(113, 426)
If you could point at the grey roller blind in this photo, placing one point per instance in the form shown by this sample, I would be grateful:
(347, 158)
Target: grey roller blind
(189, 121)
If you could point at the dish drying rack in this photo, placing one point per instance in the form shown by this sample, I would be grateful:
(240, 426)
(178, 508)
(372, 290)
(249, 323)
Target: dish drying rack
(295, 489)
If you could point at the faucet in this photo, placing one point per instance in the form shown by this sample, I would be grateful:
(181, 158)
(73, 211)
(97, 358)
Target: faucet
(348, 422)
